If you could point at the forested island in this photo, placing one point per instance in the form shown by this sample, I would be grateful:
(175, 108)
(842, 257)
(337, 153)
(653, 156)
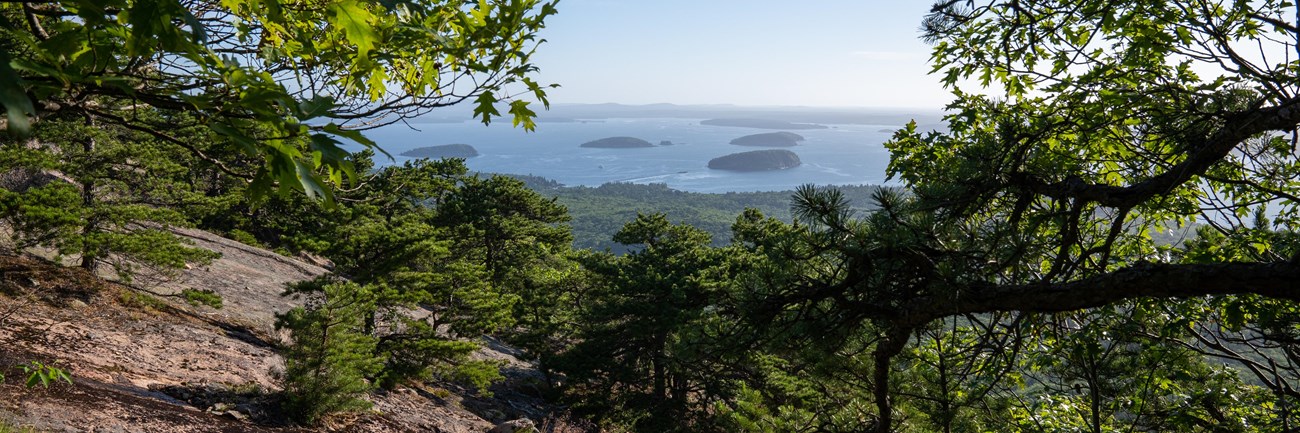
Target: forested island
(618, 143)
(760, 123)
(443, 151)
(770, 139)
(757, 160)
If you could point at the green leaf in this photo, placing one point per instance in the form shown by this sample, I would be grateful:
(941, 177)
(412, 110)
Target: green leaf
(311, 184)
(315, 107)
(197, 30)
(248, 144)
(16, 103)
(522, 114)
(148, 20)
(355, 136)
(328, 147)
(354, 19)
(485, 107)
(261, 186)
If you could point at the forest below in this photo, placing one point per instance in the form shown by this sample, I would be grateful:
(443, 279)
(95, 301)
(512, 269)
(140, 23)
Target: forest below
(597, 213)
(1015, 281)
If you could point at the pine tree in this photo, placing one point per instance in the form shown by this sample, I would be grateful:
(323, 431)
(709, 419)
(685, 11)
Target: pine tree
(644, 321)
(331, 358)
(102, 195)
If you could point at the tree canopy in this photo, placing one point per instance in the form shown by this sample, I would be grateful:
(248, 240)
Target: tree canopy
(1117, 119)
(1094, 125)
(282, 82)
(1102, 239)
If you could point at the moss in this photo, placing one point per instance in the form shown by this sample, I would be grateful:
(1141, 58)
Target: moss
(202, 297)
(141, 301)
(9, 427)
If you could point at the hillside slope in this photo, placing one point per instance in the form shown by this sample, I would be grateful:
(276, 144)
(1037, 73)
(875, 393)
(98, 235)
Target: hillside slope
(151, 363)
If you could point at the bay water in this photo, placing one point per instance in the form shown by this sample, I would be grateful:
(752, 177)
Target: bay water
(842, 154)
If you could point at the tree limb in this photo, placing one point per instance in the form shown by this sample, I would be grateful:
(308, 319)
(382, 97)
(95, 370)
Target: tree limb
(1239, 127)
(1279, 280)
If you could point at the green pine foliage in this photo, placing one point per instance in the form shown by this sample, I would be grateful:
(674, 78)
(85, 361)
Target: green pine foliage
(331, 358)
(506, 226)
(447, 256)
(98, 195)
(197, 297)
(637, 360)
(395, 243)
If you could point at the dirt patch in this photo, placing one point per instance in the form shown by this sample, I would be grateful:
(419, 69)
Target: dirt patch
(92, 406)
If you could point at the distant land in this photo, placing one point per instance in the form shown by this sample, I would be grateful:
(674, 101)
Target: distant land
(443, 151)
(556, 119)
(757, 160)
(600, 212)
(618, 143)
(761, 123)
(441, 119)
(926, 119)
(769, 139)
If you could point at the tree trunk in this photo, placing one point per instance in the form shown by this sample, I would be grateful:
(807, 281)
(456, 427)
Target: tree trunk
(657, 364)
(893, 343)
(88, 202)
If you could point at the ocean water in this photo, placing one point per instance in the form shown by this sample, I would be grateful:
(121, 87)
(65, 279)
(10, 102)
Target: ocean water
(839, 155)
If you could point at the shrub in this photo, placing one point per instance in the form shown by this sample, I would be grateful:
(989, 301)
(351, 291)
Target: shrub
(330, 358)
(202, 297)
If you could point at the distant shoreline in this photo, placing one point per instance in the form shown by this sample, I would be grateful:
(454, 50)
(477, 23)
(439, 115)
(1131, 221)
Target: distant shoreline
(926, 118)
(761, 123)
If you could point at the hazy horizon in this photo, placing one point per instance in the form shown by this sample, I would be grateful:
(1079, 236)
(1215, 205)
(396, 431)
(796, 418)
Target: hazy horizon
(796, 113)
(757, 106)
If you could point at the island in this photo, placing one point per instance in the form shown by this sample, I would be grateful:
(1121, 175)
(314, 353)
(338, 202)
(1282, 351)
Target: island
(758, 160)
(666, 143)
(769, 139)
(618, 143)
(761, 124)
(443, 151)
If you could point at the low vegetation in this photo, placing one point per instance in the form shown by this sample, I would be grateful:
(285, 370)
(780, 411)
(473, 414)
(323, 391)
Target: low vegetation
(6, 427)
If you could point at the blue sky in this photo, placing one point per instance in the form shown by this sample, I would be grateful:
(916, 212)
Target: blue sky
(746, 52)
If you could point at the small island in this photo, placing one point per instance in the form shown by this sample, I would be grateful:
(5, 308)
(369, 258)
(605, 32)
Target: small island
(769, 139)
(666, 143)
(618, 143)
(758, 160)
(444, 151)
(761, 124)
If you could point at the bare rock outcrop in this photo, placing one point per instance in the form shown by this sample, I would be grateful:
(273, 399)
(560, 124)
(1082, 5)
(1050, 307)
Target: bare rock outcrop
(523, 425)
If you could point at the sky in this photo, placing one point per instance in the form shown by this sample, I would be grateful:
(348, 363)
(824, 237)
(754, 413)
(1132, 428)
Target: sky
(821, 53)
